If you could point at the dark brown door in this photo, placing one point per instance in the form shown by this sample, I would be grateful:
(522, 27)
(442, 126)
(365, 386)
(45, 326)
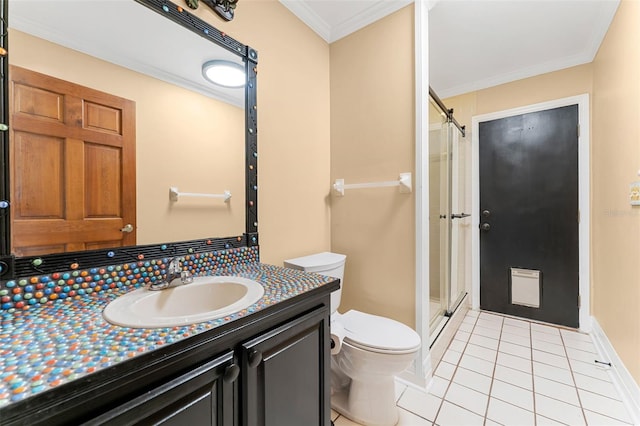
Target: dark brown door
(529, 215)
(73, 173)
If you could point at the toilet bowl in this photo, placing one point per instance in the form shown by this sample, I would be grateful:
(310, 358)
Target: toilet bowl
(374, 349)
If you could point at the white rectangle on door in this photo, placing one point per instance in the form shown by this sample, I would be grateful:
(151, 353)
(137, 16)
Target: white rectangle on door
(525, 287)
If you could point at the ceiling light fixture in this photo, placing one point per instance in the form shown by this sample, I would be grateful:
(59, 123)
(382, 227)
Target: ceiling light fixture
(224, 73)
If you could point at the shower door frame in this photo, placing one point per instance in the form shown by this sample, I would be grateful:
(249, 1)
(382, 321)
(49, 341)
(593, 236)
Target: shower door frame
(582, 101)
(450, 184)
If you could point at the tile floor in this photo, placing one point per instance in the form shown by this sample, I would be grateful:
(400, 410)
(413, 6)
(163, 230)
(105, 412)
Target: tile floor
(503, 371)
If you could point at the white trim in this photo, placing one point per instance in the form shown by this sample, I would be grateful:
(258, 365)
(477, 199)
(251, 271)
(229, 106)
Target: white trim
(423, 362)
(519, 74)
(375, 11)
(583, 197)
(307, 15)
(599, 31)
(622, 379)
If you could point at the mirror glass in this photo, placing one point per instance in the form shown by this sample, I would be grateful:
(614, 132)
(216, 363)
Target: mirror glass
(188, 133)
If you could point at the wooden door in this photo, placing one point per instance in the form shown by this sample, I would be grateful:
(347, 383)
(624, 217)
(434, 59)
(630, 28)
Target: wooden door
(73, 171)
(529, 213)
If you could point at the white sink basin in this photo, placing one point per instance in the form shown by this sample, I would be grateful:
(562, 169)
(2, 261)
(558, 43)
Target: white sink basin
(204, 299)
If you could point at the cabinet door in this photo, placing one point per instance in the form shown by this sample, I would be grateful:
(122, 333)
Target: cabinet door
(203, 396)
(285, 374)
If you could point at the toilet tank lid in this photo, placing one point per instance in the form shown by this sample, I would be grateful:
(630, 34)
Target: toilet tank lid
(316, 262)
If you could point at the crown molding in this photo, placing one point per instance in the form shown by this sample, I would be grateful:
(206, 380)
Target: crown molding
(375, 11)
(307, 15)
(519, 74)
(608, 11)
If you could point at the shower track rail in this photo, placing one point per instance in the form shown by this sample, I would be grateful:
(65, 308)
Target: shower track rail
(448, 112)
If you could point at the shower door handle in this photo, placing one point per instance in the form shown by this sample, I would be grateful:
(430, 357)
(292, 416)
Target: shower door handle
(460, 216)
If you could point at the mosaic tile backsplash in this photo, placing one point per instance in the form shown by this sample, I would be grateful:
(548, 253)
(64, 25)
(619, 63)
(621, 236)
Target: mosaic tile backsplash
(24, 292)
(44, 345)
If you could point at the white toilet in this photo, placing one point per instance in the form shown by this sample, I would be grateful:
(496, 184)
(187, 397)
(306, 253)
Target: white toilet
(373, 351)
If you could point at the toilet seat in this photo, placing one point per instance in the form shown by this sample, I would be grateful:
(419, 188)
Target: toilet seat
(378, 334)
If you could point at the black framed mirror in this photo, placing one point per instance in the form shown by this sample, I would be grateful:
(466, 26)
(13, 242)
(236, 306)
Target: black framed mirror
(12, 266)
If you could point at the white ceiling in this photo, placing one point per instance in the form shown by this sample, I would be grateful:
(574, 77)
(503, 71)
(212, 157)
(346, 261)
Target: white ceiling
(142, 40)
(475, 44)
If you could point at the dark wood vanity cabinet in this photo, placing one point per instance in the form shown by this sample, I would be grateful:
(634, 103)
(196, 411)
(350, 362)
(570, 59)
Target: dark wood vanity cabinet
(284, 375)
(277, 378)
(203, 396)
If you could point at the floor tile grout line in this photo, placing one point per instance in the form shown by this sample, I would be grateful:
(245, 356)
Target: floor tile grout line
(553, 420)
(493, 374)
(533, 381)
(575, 384)
(435, 417)
(551, 365)
(551, 379)
(607, 416)
(598, 394)
(509, 383)
(594, 354)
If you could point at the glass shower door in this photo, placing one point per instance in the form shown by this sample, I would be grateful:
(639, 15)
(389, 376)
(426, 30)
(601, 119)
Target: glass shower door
(439, 213)
(460, 220)
(449, 219)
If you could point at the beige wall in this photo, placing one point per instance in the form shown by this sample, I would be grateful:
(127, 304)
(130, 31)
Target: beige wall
(293, 127)
(198, 147)
(372, 139)
(545, 87)
(615, 163)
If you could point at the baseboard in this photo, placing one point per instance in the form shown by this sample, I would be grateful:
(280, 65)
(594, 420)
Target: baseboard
(436, 351)
(410, 377)
(623, 380)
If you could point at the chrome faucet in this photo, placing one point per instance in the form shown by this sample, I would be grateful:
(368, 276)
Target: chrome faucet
(175, 276)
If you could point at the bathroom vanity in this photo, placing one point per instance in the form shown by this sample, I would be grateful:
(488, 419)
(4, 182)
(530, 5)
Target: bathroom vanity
(268, 367)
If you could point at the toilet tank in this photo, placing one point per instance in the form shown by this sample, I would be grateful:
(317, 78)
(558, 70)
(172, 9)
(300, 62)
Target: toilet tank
(326, 263)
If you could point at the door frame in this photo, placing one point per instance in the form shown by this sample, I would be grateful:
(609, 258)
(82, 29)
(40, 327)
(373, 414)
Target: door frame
(583, 197)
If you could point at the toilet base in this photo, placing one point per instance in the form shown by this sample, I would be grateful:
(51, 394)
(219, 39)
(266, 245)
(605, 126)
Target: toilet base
(367, 403)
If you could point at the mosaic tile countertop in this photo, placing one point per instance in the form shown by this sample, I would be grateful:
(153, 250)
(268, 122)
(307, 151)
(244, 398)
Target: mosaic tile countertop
(47, 345)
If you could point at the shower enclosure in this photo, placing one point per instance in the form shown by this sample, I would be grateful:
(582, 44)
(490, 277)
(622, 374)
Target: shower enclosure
(449, 221)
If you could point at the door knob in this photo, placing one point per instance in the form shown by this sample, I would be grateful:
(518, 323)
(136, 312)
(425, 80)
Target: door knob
(485, 226)
(127, 228)
(231, 373)
(254, 358)
(486, 213)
